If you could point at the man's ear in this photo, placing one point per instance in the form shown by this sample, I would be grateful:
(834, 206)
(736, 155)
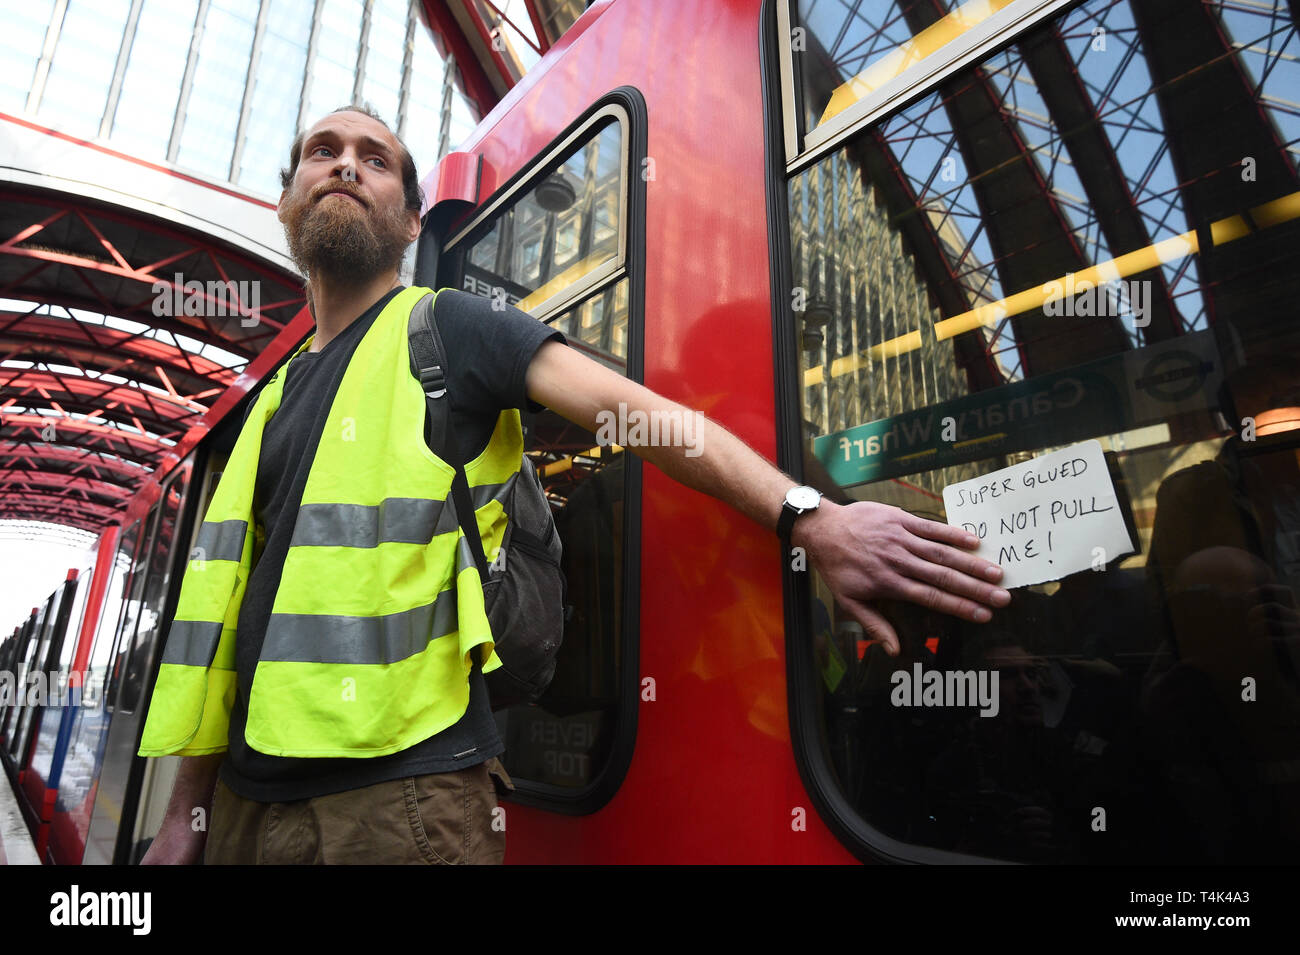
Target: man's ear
(413, 227)
(279, 206)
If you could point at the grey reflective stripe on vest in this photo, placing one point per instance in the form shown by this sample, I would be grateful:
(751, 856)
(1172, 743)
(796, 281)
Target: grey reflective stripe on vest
(220, 540)
(483, 493)
(192, 643)
(305, 638)
(404, 520)
(324, 638)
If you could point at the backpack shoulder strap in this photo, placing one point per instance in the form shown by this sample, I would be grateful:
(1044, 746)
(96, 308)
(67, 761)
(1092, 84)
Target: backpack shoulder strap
(429, 365)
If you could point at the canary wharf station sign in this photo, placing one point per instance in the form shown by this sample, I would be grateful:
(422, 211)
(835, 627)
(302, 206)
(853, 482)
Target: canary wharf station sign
(1118, 393)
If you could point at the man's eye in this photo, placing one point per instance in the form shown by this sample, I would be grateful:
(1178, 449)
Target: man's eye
(380, 161)
(321, 149)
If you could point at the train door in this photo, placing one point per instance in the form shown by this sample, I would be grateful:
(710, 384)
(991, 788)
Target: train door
(160, 772)
(113, 822)
(558, 242)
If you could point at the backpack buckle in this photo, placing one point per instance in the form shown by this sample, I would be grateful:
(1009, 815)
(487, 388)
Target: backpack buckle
(433, 381)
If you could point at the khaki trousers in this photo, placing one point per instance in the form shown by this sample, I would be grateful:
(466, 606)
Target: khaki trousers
(438, 819)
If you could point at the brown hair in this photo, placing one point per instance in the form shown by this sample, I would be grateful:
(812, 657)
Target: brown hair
(414, 195)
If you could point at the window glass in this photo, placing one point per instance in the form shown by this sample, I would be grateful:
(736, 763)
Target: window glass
(422, 123)
(81, 70)
(381, 85)
(16, 654)
(132, 607)
(162, 554)
(1094, 234)
(559, 235)
(329, 83)
(151, 84)
(32, 661)
(273, 115)
(217, 95)
(845, 52)
(61, 657)
(22, 42)
(566, 738)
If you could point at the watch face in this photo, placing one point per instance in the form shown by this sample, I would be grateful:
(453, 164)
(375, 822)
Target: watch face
(803, 497)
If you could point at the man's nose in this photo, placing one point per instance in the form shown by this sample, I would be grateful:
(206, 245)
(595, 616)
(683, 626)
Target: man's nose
(346, 167)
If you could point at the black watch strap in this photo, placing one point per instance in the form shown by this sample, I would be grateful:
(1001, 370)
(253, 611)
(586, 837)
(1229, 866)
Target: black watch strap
(785, 523)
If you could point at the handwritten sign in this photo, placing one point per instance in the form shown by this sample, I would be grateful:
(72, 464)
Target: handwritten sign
(1045, 518)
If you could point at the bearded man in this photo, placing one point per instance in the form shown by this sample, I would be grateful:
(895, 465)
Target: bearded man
(351, 207)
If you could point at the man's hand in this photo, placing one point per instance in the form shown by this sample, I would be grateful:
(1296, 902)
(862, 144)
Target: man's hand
(867, 551)
(184, 832)
(176, 844)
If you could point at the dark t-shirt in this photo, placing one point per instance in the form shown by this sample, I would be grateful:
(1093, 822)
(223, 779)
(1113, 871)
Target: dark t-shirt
(488, 353)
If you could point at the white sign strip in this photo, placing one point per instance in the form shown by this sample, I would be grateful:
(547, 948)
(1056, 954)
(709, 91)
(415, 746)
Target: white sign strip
(1041, 520)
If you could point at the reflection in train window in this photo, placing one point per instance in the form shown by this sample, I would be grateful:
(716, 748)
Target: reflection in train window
(850, 54)
(1074, 240)
(561, 236)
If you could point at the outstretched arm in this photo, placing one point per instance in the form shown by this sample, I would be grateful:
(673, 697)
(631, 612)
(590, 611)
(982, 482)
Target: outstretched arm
(864, 551)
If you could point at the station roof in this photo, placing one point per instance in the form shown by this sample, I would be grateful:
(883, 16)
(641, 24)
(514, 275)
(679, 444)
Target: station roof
(107, 360)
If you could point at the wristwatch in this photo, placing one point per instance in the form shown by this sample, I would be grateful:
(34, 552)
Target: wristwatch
(798, 500)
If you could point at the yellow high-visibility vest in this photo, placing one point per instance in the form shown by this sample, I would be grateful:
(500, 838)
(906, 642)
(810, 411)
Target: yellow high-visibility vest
(368, 649)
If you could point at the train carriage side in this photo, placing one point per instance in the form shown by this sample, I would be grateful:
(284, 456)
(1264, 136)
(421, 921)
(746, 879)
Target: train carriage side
(622, 197)
(837, 233)
(895, 249)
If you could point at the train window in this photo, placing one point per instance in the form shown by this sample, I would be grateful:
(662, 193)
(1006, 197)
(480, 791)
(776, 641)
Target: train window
(110, 624)
(129, 614)
(14, 663)
(1093, 234)
(555, 245)
(61, 667)
(85, 752)
(161, 558)
(29, 662)
(543, 247)
(843, 63)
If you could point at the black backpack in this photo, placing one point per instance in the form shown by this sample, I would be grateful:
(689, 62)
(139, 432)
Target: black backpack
(524, 588)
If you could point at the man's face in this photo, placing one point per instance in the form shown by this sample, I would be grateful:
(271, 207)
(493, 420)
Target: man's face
(1020, 684)
(345, 213)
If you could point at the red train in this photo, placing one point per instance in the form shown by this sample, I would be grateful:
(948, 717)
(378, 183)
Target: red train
(843, 232)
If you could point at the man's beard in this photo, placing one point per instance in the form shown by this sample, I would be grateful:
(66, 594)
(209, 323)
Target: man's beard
(342, 240)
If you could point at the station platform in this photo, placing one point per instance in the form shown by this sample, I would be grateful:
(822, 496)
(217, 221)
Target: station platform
(16, 846)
